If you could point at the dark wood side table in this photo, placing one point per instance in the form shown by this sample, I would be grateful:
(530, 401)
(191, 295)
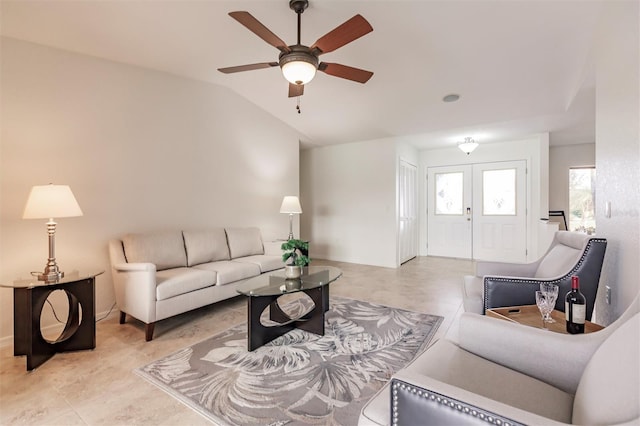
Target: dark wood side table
(530, 315)
(29, 297)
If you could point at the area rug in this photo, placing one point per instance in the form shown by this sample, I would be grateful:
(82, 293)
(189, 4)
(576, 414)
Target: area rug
(298, 378)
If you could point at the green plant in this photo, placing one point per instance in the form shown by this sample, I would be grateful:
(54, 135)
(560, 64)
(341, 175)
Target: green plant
(294, 249)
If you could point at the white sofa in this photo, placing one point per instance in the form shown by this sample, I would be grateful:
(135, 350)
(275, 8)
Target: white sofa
(159, 275)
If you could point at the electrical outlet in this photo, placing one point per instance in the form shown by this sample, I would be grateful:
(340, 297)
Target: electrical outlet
(608, 295)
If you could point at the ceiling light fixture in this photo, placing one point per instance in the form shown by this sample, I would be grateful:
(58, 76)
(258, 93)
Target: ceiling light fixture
(299, 67)
(468, 145)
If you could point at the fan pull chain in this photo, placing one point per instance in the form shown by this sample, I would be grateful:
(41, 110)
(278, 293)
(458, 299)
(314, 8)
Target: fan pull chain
(298, 106)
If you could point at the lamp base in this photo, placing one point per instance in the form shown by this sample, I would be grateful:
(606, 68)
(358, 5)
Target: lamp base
(51, 272)
(51, 276)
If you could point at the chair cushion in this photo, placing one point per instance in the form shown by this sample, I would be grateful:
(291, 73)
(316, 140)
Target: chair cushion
(177, 281)
(230, 271)
(244, 242)
(265, 262)
(447, 362)
(558, 261)
(206, 246)
(609, 392)
(164, 249)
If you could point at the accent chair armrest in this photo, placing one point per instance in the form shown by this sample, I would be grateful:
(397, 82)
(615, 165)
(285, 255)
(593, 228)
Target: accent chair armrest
(526, 349)
(506, 269)
(416, 397)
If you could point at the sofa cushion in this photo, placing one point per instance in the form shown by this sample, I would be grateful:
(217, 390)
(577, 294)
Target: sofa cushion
(177, 281)
(244, 242)
(206, 246)
(230, 271)
(558, 261)
(164, 249)
(265, 262)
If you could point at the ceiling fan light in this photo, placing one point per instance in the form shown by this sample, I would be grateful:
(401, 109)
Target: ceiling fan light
(468, 145)
(299, 72)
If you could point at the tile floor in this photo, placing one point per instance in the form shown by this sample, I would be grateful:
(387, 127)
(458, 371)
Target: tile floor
(99, 388)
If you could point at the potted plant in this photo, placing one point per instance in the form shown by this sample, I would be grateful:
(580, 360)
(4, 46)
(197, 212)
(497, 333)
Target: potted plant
(294, 250)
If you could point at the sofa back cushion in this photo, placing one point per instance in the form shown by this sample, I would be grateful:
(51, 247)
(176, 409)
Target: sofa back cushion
(205, 246)
(164, 249)
(244, 242)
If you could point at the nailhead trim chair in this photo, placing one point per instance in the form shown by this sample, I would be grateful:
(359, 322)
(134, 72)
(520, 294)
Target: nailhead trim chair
(499, 284)
(503, 373)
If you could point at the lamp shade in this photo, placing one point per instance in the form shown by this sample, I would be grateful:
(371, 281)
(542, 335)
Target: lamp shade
(50, 201)
(291, 205)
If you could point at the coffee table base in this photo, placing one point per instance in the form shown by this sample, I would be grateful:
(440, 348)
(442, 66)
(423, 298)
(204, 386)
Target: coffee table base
(313, 321)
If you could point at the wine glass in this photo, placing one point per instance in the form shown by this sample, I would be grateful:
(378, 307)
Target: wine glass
(543, 301)
(551, 290)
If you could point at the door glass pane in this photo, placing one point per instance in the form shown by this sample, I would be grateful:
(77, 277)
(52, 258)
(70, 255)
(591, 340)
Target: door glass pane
(449, 192)
(582, 197)
(499, 192)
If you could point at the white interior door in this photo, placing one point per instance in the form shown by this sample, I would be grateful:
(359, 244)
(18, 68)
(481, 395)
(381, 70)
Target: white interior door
(449, 221)
(407, 211)
(499, 211)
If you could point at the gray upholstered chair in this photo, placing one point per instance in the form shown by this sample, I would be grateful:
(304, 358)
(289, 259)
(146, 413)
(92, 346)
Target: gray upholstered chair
(499, 372)
(511, 284)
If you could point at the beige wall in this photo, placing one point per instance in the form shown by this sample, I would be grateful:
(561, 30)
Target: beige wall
(141, 150)
(561, 159)
(348, 194)
(618, 152)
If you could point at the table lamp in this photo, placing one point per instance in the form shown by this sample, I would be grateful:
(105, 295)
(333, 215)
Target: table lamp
(48, 202)
(291, 205)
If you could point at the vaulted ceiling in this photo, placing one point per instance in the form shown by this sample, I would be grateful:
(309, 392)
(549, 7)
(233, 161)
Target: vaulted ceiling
(520, 67)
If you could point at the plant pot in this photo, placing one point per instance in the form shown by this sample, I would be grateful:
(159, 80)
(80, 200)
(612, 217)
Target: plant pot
(291, 271)
(292, 284)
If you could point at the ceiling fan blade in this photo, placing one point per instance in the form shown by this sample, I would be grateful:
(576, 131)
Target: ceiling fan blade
(349, 31)
(343, 71)
(255, 26)
(239, 68)
(296, 90)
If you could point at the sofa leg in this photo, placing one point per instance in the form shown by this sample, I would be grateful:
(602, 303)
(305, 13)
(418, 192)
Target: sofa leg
(123, 316)
(148, 331)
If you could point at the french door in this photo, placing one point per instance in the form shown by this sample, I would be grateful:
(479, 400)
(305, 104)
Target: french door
(478, 211)
(407, 211)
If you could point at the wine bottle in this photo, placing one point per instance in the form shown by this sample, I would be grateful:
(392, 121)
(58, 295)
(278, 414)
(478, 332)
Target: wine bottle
(575, 308)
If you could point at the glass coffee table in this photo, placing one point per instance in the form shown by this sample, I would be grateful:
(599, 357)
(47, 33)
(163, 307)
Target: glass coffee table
(264, 291)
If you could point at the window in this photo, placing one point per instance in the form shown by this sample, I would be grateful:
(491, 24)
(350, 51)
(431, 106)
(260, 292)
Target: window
(499, 192)
(449, 193)
(582, 199)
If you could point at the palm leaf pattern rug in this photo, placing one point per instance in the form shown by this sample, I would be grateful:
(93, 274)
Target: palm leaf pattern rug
(298, 378)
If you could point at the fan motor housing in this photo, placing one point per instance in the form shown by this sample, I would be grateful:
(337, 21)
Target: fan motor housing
(298, 53)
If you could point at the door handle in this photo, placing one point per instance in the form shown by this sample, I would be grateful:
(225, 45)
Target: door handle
(469, 213)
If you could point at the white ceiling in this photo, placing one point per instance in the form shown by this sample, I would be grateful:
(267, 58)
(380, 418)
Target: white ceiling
(519, 66)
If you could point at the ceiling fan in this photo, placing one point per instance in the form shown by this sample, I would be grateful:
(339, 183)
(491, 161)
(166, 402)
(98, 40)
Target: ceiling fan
(298, 62)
